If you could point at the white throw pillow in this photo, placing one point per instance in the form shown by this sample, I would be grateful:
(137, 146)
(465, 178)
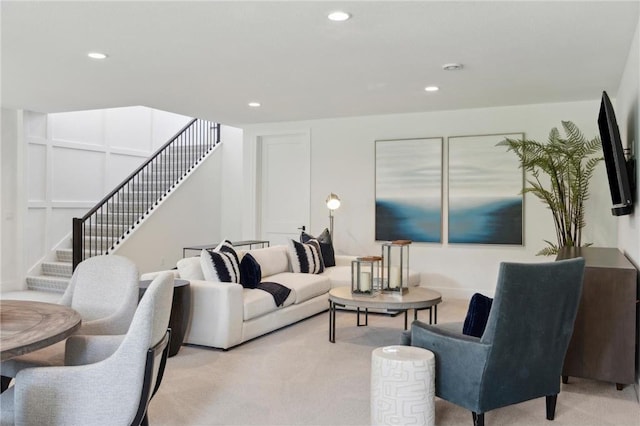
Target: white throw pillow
(189, 268)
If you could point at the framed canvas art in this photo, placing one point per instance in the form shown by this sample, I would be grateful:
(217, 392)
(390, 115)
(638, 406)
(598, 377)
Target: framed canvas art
(408, 190)
(486, 204)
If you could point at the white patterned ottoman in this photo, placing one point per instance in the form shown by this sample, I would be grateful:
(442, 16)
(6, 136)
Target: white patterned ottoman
(402, 386)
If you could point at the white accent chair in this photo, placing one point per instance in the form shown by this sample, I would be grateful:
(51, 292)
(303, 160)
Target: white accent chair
(104, 291)
(114, 388)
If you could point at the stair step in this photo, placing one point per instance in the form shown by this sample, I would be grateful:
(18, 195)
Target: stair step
(175, 150)
(57, 269)
(64, 255)
(46, 283)
(110, 228)
(134, 194)
(117, 217)
(159, 185)
(128, 207)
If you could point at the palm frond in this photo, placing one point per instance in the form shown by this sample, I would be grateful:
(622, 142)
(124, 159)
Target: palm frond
(565, 165)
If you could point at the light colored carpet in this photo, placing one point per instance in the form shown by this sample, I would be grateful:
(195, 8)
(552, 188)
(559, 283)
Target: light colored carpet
(295, 376)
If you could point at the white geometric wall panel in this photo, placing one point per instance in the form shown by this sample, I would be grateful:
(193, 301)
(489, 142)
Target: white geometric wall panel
(35, 234)
(402, 386)
(121, 166)
(77, 175)
(60, 222)
(128, 128)
(37, 186)
(165, 125)
(83, 127)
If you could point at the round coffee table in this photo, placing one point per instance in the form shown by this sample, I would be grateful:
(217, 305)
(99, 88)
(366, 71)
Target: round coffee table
(417, 298)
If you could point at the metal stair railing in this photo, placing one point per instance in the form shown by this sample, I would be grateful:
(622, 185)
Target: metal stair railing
(117, 214)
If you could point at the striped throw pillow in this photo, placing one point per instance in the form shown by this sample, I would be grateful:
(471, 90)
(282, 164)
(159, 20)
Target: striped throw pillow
(220, 264)
(306, 257)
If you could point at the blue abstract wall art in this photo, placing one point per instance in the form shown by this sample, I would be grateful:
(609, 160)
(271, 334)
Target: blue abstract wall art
(485, 184)
(408, 187)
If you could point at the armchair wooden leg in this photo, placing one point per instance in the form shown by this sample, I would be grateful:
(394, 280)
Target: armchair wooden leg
(478, 419)
(551, 406)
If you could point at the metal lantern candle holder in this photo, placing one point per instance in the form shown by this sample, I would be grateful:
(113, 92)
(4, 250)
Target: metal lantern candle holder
(395, 266)
(365, 275)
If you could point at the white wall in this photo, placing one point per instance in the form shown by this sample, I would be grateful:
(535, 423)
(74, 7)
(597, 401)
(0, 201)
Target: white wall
(627, 115)
(343, 162)
(232, 183)
(10, 199)
(203, 210)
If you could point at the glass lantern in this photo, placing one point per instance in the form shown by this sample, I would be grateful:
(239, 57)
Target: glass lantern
(395, 267)
(365, 275)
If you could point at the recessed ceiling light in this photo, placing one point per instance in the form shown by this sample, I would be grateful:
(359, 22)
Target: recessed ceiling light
(339, 16)
(254, 104)
(432, 88)
(97, 55)
(452, 67)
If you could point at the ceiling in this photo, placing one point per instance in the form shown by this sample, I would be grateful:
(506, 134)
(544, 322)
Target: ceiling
(208, 59)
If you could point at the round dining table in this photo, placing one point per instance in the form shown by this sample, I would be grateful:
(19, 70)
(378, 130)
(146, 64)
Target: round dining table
(26, 326)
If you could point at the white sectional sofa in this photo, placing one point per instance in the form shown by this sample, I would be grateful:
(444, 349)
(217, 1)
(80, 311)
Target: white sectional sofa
(225, 314)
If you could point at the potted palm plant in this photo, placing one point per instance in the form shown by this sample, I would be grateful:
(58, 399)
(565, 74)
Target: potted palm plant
(559, 172)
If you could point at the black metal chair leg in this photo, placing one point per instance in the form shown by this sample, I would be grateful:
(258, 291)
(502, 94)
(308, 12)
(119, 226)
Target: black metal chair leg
(4, 383)
(478, 419)
(551, 406)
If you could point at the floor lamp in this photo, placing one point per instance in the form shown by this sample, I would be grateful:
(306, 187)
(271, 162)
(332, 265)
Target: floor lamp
(333, 202)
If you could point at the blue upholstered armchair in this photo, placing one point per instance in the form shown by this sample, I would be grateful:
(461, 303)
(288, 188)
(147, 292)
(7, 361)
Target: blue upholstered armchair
(520, 355)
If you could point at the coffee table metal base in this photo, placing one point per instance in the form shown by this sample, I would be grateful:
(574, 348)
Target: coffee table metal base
(421, 299)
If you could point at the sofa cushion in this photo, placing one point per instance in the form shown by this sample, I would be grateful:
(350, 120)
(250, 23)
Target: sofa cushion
(305, 257)
(189, 268)
(273, 260)
(220, 264)
(257, 303)
(250, 271)
(340, 276)
(326, 246)
(303, 286)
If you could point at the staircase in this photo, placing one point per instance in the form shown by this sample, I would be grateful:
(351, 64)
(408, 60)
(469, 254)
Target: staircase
(105, 226)
(55, 275)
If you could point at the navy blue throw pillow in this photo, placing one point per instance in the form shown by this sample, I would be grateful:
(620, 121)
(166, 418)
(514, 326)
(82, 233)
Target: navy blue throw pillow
(477, 315)
(250, 272)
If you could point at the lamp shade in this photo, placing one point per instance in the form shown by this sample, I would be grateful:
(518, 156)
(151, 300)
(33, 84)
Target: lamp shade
(333, 201)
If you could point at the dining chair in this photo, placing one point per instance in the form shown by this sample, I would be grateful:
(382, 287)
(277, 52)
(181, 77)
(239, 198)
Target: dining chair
(108, 380)
(104, 291)
(521, 352)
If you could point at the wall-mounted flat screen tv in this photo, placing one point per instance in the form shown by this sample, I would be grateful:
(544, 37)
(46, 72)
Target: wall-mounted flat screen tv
(614, 159)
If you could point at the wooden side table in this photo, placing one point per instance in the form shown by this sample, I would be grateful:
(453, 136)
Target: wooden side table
(180, 311)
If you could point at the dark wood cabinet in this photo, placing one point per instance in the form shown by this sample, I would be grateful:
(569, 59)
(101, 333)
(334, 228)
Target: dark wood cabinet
(603, 346)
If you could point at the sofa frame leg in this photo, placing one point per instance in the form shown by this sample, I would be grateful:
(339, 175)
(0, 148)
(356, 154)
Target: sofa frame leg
(4, 383)
(551, 406)
(478, 419)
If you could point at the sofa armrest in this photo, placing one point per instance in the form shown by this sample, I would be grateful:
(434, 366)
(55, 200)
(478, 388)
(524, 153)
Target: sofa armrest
(217, 312)
(153, 275)
(344, 260)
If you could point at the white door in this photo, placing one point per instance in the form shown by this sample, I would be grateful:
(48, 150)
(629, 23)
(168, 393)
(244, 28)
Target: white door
(285, 183)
